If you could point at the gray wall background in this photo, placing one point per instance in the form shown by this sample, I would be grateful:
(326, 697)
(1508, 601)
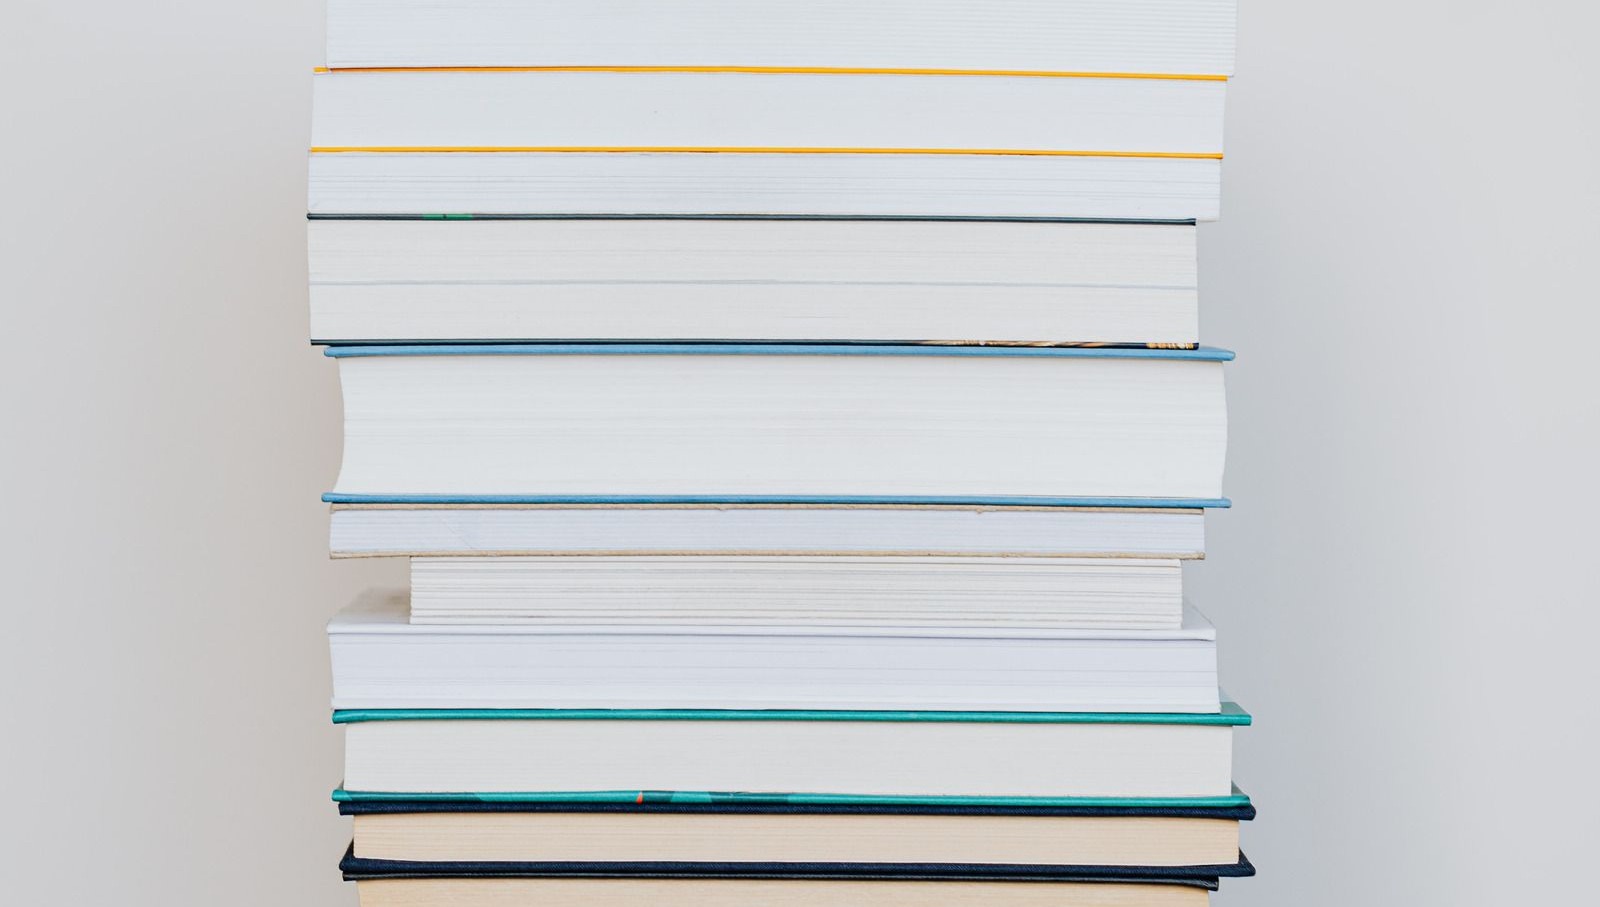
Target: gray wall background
(1405, 587)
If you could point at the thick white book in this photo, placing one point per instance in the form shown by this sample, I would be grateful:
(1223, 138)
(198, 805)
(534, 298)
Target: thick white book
(383, 661)
(800, 592)
(763, 279)
(773, 423)
(1137, 36)
(494, 530)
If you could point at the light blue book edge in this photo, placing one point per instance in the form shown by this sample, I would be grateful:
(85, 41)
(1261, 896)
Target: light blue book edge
(1199, 354)
(1230, 715)
(859, 500)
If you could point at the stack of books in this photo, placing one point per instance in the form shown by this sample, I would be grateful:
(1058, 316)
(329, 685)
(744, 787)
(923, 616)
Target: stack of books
(795, 418)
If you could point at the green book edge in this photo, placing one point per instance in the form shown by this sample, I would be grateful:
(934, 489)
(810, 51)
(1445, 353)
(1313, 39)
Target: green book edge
(1230, 715)
(641, 797)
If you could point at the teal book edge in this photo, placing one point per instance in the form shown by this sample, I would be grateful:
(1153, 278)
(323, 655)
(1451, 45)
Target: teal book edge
(1198, 354)
(1230, 715)
(647, 797)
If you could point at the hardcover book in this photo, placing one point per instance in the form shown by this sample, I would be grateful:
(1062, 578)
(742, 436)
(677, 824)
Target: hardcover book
(784, 424)
(358, 868)
(1197, 839)
(854, 757)
(500, 891)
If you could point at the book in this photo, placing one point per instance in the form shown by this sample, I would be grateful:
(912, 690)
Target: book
(623, 528)
(1199, 839)
(383, 661)
(972, 758)
(545, 110)
(766, 184)
(838, 592)
(1133, 36)
(783, 424)
(357, 868)
(409, 891)
(698, 140)
(752, 280)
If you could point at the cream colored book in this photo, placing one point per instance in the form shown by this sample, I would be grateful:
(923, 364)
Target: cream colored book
(555, 892)
(627, 837)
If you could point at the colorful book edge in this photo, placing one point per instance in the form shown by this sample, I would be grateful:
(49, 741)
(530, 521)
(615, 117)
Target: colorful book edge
(1229, 715)
(340, 497)
(1236, 805)
(1200, 354)
(356, 868)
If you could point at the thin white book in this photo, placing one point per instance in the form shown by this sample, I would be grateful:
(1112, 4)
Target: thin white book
(543, 110)
(497, 530)
(922, 758)
(761, 279)
(800, 592)
(1135, 36)
(844, 424)
(767, 184)
(383, 661)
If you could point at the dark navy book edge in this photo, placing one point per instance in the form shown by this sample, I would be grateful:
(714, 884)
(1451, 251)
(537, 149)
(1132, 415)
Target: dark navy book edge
(361, 867)
(511, 801)
(349, 807)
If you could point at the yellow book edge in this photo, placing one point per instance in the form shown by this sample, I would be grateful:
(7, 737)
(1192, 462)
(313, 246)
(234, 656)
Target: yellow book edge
(800, 70)
(713, 149)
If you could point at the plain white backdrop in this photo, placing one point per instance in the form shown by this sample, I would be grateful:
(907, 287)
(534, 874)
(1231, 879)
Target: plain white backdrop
(1406, 587)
